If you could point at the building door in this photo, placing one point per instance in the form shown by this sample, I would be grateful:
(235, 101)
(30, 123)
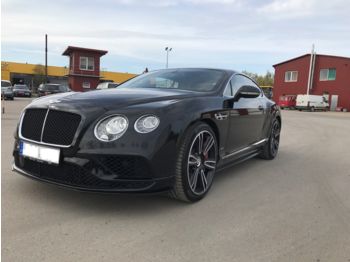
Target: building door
(334, 102)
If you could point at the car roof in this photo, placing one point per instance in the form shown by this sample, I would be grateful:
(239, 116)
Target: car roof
(229, 71)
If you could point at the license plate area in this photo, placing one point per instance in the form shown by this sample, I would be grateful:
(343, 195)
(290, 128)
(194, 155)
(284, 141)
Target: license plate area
(39, 153)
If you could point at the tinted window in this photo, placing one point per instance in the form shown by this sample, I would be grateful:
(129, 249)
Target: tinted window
(112, 85)
(5, 84)
(51, 87)
(20, 87)
(200, 80)
(239, 80)
(228, 90)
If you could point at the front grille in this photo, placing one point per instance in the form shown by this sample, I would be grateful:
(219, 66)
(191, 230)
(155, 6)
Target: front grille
(50, 126)
(90, 176)
(60, 127)
(123, 166)
(32, 123)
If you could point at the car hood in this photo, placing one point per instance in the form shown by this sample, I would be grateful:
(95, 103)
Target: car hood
(110, 98)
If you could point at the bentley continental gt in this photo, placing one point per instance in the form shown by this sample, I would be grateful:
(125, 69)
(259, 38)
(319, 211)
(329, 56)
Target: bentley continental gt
(167, 130)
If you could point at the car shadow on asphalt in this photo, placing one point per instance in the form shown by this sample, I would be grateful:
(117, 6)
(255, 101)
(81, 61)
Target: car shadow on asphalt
(129, 203)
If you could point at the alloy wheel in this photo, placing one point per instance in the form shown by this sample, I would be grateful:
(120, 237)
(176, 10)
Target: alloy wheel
(275, 137)
(201, 162)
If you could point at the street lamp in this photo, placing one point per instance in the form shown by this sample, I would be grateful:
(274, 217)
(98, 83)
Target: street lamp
(167, 49)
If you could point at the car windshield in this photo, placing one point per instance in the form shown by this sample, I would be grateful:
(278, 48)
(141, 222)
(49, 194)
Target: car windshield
(51, 87)
(5, 84)
(200, 80)
(21, 87)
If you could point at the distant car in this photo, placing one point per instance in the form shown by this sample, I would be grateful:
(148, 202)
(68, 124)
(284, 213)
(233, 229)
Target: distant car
(48, 89)
(106, 85)
(311, 102)
(22, 90)
(6, 90)
(287, 101)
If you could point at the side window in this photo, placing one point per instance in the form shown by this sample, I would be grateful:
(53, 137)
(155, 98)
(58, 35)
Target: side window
(236, 83)
(249, 82)
(228, 90)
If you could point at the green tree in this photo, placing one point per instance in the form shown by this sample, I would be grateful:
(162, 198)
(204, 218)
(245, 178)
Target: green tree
(38, 76)
(262, 80)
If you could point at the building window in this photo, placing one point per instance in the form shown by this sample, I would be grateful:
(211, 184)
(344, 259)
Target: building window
(86, 85)
(86, 63)
(291, 76)
(327, 74)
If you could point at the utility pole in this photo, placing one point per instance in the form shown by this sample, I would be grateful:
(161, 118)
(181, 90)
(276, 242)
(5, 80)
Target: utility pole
(167, 49)
(46, 58)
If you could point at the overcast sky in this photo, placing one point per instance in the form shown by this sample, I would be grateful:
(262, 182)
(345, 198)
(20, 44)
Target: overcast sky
(235, 34)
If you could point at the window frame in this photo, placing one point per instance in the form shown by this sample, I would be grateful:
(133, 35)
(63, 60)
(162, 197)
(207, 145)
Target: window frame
(230, 85)
(328, 70)
(291, 76)
(87, 63)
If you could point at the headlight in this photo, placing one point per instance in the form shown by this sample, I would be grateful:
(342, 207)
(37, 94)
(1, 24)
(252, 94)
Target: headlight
(111, 128)
(146, 124)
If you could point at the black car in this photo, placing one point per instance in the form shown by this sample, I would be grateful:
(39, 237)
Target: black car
(166, 130)
(49, 89)
(21, 90)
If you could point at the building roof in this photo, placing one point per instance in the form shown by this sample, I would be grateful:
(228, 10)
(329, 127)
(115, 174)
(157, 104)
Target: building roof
(296, 58)
(71, 49)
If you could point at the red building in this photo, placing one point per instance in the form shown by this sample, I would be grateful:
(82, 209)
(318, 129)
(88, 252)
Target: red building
(84, 67)
(331, 78)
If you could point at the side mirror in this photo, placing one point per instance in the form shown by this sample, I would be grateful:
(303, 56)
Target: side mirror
(247, 92)
(243, 92)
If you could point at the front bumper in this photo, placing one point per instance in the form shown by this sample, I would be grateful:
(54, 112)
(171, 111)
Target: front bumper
(22, 94)
(8, 95)
(114, 174)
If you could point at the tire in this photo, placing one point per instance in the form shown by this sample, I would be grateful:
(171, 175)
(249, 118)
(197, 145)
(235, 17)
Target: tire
(195, 164)
(312, 109)
(270, 149)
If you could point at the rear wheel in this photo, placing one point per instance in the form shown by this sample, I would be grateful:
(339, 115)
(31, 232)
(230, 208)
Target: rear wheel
(270, 149)
(196, 163)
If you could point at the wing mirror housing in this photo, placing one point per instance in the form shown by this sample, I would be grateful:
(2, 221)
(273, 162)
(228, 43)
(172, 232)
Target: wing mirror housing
(243, 92)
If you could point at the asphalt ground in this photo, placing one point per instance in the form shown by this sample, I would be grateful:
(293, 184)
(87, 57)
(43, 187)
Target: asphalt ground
(293, 208)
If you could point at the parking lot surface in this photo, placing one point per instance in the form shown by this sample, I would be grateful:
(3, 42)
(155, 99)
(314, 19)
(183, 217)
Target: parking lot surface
(294, 208)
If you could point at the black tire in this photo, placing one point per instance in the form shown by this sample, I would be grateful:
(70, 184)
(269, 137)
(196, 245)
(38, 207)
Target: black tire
(312, 109)
(270, 149)
(193, 179)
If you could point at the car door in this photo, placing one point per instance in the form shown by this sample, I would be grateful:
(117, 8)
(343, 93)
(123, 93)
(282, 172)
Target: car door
(246, 116)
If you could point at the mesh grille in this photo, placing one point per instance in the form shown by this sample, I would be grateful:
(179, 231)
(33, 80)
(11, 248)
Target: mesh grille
(124, 167)
(32, 123)
(90, 176)
(60, 127)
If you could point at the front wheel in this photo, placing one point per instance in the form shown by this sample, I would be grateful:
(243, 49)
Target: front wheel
(196, 163)
(270, 149)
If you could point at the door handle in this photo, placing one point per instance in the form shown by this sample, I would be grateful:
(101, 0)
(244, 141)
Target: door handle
(260, 108)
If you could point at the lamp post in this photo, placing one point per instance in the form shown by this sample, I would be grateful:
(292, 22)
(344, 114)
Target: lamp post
(167, 49)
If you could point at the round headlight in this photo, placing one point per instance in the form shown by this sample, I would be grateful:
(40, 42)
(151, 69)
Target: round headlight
(111, 128)
(146, 124)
